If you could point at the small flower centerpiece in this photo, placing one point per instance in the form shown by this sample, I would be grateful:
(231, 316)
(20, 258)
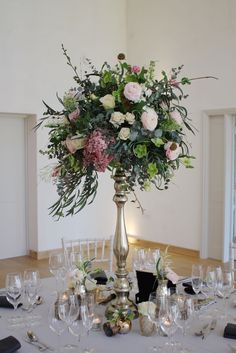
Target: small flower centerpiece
(79, 277)
(119, 322)
(116, 117)
(147, 327)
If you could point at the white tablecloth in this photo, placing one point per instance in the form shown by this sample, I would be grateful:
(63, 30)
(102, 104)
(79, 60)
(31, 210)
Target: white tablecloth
(129, 343)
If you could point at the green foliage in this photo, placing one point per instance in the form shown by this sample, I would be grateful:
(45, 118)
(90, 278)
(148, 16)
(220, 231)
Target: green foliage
(86, 137)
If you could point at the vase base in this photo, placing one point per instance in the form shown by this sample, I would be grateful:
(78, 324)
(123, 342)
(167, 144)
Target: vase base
(128, 305)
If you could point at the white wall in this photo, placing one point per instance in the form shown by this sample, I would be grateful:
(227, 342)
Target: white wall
(200, 35)
(33, 68)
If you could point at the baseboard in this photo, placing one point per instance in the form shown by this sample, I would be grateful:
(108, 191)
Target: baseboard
(40, 255)
(172, 248)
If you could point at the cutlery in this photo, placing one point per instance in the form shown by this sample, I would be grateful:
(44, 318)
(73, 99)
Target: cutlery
(33, 338)
(201, 332)
(36, 344)
(210, 328)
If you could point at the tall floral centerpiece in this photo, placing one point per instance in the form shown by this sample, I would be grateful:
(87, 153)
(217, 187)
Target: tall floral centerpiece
(125, 120)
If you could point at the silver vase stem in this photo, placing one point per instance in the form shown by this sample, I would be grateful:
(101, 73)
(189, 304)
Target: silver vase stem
(121, 249)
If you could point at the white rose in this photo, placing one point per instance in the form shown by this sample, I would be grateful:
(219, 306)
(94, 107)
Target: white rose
(117, 118)
(130, 117)
(108, 101)
(149, 119)
(124, 133)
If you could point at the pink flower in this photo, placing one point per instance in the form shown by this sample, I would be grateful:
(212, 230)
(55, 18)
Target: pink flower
(95, 151)
(133, 91)
(174, 83)
(55, 172)
(149, 119)
(74, 115)
(173, 150)
(75, 143)
(175, 115)
(135, 69)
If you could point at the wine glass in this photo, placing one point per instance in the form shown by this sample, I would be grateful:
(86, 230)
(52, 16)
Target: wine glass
(168, 314)
(56, 324)
(14, 288)
(186, 311)
(57, 267)
(31, 287)
(197, 278)
(68, 311)
(225, 286)
(155, 304)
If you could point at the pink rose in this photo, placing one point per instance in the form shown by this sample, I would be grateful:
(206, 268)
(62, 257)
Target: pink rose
(149, 119)
(173, 150)
(135, 69)
(74, 143)
(133, 91)
(175, 115)
(74, 115)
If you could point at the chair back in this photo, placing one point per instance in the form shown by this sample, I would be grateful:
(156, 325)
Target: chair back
(100, 249)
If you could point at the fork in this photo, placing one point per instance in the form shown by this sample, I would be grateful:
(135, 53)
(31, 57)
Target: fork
(35, 344)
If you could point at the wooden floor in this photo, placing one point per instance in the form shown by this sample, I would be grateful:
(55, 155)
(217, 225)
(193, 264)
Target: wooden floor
(181, 264)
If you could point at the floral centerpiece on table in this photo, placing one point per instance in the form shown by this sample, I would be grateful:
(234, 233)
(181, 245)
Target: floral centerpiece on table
(116, 117)
(79, 276)
(163, 267)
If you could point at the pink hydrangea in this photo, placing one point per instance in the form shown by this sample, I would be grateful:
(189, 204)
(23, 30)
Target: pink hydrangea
(95, 151)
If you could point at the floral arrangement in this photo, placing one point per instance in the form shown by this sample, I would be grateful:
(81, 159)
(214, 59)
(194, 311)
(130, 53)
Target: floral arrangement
(120, 315)
(80, 275)
(121, 117)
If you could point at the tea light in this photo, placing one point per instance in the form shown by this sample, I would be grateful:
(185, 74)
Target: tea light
(97, 323)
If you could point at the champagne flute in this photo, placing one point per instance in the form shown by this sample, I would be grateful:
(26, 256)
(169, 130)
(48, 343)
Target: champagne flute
(197, 279)
(87, 315)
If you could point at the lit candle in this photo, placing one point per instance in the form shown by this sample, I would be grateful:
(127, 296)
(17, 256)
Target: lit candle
(97, 322)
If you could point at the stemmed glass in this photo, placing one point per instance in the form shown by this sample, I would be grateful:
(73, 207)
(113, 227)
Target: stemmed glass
(57, 267)
(225, 286)
(197, 279)
(68, 311)
(14, 288)
(168, 314)
(211, 279)
(87, 315)
(56, 324)
(31, 287)
(186, 311)
(155, 304)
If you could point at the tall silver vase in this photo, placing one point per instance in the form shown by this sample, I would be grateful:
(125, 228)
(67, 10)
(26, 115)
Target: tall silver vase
(121, 250)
